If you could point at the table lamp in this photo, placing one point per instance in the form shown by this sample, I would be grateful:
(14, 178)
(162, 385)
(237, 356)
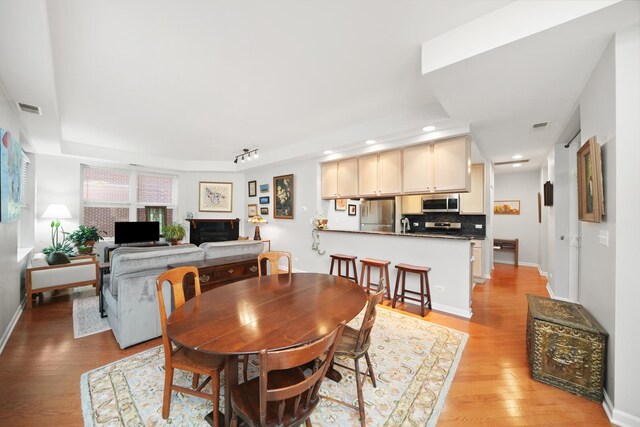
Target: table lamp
(257, 220)
(56, 212)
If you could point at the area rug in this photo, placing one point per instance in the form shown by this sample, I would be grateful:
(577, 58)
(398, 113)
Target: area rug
(86, 316)
(414, 362)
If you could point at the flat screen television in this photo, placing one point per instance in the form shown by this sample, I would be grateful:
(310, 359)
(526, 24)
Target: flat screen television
(136, 232)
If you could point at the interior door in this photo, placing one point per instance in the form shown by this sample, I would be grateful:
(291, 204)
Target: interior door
(574, 228)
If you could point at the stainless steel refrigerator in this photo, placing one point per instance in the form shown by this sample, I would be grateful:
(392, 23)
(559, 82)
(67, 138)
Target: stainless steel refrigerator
(378, 215)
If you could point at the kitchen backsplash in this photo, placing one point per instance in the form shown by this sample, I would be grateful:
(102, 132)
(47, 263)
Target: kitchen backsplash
(468, 222)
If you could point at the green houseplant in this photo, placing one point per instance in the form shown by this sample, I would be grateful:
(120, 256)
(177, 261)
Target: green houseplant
(84, 238)
(59, 250)
(174, 232)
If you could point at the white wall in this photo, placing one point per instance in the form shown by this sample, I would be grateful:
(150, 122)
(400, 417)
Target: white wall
(524, 227)
(11, 268)
(597, 262)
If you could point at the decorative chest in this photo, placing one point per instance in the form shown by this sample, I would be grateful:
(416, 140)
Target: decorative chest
(566, 347)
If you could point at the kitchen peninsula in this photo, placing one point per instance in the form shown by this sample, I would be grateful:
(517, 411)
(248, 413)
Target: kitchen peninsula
(448, 256)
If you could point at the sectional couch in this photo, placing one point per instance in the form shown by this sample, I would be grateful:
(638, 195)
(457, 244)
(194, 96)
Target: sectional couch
(130, 292)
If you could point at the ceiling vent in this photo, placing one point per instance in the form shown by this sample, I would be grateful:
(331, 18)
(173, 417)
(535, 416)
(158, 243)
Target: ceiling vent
(510, 162)
(29, 108)
(540, 126)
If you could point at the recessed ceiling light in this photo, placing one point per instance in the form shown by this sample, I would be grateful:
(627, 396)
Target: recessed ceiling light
(328, 152)
(516, 156)
(428, 128)
(370, 141)
(516, 165)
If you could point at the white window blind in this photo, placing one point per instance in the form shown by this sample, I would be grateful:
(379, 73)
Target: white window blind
(24, 182)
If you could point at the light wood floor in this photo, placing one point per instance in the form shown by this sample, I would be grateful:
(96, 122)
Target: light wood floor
(41, 365)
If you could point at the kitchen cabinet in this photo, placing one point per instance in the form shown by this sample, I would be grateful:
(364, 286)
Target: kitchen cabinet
(478, 277)
(340, 179)
(472, 203)
(417, 171)
(452, 165)
(411, 205)
(380, 174)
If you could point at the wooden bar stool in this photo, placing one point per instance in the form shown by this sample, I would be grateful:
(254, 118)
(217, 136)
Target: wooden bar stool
(383, 268)
(349, 260)
(423, 272)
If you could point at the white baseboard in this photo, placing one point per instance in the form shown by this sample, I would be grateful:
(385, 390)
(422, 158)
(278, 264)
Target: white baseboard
(447, 309)
(12, 324)
(524, 264)
(553, 296)
(543, 273)
(618, 417)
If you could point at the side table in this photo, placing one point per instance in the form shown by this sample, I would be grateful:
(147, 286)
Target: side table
(104, 268)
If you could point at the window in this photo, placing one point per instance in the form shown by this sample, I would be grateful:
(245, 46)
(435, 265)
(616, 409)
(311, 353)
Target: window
(111, 195)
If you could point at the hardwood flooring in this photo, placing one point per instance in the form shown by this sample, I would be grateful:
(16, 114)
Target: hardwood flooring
(41, 365)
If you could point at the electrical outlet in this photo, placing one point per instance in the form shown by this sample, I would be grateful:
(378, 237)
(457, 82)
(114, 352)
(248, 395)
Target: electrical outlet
(478, 225)
(439, 288)
(416, 224)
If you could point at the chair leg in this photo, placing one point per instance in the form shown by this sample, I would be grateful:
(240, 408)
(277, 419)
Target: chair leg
(386, 281)
(395, 292)
(215, 392)
(355, 271)
(370, 369)
(360, 397)
(421, 294)
(234, 419)
(308, 422)
(332, 262)
(195, 381)
(166, 398)
(245, 367)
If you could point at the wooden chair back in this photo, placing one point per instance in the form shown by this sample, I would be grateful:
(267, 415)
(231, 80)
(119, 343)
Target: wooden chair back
(369, 318)
(175, 277)
(274, 260)
(303, 405)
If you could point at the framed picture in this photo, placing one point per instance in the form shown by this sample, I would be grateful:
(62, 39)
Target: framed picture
(216, 197)
(539, 208)
(264, 211)
(252, 210)
(10, 177)
(506, 207)
(252, 189)
(264, 188)
(283, 197)
(264, 200)
(352, 210)
(590, 187)
(341, 204)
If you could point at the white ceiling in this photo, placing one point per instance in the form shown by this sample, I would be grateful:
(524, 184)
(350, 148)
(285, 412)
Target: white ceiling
(189, 84)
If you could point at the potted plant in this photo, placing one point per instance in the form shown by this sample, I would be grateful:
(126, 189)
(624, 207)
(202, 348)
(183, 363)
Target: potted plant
(59, 251)
(84, 238)
(174, 232)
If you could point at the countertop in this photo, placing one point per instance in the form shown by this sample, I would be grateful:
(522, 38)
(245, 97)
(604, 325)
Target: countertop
(436, 235)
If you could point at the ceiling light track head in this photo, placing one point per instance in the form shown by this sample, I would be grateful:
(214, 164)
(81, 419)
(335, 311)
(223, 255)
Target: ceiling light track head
(247, 155)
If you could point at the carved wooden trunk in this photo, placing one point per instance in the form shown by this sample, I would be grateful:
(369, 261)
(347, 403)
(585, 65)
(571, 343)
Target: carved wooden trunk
(566, 347)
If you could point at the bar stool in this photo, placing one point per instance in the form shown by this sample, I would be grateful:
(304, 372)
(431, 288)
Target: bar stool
(383, 268)
(349, 260)
(423, 272)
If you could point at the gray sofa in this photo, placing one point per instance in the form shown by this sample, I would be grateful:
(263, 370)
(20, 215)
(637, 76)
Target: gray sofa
(130, 292)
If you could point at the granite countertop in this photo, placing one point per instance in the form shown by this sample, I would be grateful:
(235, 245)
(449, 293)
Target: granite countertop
(417, 234)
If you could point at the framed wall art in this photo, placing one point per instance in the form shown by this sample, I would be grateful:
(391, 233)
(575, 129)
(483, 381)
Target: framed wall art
(264, 211)
(264, 200)
(10, 177)
(506, 207)
(352, 210)
(341, 204)
(252, 189)
(264, 188)
(590, 187)
(215, 197)
(252, 210)
(283, 197)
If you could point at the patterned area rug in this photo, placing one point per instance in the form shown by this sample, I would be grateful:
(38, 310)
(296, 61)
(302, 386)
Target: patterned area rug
(414, 362)
(86, 317)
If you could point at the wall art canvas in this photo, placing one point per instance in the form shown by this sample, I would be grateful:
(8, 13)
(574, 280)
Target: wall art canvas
(590, 184)
(264, 200)
(506, 207)
(264, 211)
(252, 210)
(352, 210)
(264, 188)
(10, 177)
(341, 204)
(252, 189)
(283, 197)
(216, 196)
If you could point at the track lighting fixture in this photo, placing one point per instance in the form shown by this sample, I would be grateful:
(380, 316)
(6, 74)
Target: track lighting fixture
(246, 155)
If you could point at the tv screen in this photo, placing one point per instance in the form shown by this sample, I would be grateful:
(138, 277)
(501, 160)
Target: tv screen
(136, 232)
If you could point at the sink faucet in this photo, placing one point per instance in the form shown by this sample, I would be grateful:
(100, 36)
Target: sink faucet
(405, 225)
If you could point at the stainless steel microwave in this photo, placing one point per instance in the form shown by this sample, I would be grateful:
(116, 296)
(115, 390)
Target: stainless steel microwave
(441, 203)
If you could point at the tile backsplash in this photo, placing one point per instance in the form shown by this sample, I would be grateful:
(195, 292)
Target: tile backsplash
(468, 222)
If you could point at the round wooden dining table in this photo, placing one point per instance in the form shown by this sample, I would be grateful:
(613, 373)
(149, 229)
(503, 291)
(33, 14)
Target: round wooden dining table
(268, 312)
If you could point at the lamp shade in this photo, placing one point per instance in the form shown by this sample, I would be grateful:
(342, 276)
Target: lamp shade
(54, 211)
(257, 219)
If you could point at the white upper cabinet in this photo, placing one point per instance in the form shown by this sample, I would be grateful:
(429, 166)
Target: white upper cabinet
(472, 203)
(380, 174)
(417, 173)
(340, 179)
(452, 165)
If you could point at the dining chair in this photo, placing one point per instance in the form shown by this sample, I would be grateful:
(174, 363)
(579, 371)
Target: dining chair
(274, 260)
(354, 344)
(283, 395)
(178, 357)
